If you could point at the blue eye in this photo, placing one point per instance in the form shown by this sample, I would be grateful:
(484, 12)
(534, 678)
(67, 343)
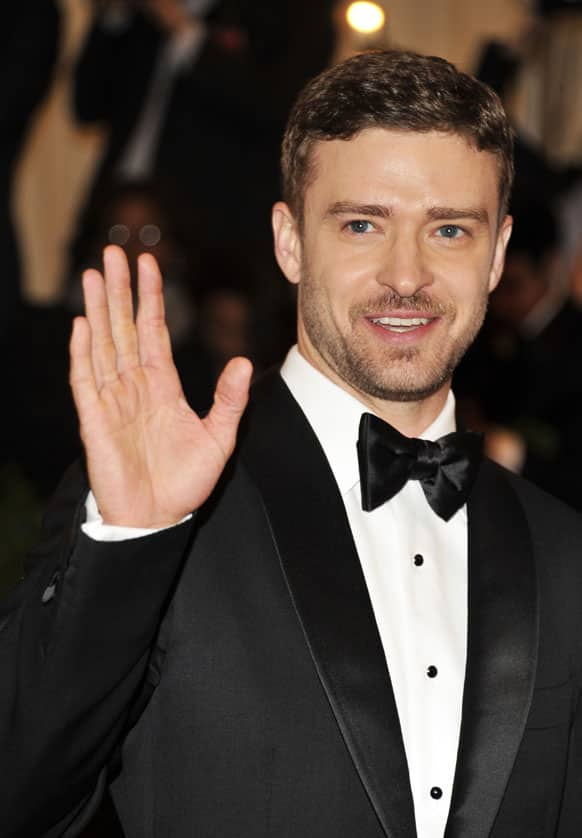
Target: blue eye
(450, 231)
(360, 226)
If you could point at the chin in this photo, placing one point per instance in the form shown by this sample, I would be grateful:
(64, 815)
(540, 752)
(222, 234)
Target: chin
(405, 379)
(403, 392)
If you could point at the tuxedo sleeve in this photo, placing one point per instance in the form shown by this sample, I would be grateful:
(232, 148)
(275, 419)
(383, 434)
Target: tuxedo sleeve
(74, 644)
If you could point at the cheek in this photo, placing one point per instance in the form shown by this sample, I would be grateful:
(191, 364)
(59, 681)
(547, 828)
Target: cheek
(334, 284)
(332, 302)
(468, 283)
(348, 263)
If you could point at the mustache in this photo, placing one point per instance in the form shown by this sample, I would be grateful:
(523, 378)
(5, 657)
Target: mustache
(391, 301)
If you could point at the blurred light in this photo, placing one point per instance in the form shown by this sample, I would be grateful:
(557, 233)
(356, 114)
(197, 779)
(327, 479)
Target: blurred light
(365, 17)
(119, 234)
(150, 235)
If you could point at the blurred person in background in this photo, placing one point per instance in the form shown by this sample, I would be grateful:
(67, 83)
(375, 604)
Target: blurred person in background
(521, 379)
(499, 65)
(544, 61)
(29, 40)
(181, 84)
(530, 349)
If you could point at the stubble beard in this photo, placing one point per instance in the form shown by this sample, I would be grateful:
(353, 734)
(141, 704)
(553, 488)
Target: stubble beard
(385, 372)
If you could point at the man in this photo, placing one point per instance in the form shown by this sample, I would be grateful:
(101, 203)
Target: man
(332, 660)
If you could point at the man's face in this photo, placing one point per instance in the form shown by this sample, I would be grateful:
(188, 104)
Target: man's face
(400, 250)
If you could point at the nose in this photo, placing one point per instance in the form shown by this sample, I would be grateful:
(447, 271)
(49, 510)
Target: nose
(404, 266)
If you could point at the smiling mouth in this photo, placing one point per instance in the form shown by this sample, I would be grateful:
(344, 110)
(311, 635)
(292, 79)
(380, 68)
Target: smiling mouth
(401, 324)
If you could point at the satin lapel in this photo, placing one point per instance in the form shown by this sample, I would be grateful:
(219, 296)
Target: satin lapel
(502, 652)
(327, 586)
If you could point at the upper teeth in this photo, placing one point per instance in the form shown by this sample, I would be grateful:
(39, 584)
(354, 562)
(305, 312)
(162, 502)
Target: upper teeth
(401, 321)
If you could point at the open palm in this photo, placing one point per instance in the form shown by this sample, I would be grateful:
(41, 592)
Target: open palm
(151, 459)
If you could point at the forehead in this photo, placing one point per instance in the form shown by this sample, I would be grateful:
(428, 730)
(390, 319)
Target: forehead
(401, 169)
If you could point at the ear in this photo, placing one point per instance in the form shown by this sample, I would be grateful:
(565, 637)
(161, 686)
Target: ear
(503, 237)
(287, 242)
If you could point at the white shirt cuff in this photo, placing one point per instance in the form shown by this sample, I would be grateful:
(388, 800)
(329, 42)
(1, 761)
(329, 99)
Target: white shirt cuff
(98, 531)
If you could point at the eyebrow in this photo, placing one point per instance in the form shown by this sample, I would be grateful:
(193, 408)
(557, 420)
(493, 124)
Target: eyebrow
(455, 213)
(348, 208)
(434, 213)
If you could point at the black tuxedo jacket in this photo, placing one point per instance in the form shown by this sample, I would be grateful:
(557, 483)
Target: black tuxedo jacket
(533, 385)
(267, 708)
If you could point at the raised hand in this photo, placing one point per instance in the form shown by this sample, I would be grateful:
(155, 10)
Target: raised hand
(151, 459)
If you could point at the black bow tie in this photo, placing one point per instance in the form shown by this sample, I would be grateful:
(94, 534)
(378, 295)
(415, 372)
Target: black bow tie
(446, 468)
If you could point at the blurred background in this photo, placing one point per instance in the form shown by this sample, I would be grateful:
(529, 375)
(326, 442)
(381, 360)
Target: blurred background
(155, 124)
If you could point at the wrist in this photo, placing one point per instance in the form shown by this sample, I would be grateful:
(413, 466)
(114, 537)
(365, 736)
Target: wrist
(99, 530)
(145, 523)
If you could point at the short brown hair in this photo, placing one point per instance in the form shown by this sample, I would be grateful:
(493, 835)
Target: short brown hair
(396, 90)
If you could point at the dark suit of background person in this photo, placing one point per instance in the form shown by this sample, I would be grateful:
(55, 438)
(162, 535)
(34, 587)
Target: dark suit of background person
(229, 104)
(272, 712)
(523, 371)
(28, 51)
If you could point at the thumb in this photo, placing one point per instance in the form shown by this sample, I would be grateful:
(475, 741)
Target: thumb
(230, 399)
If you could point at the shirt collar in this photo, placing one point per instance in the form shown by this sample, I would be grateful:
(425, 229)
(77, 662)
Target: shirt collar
(334, 415)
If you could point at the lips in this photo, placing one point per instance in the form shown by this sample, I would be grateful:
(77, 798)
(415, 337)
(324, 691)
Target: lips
(400, 324)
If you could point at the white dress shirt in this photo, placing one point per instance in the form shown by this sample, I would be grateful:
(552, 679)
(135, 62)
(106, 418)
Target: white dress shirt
(415, 567)
(420, 605)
